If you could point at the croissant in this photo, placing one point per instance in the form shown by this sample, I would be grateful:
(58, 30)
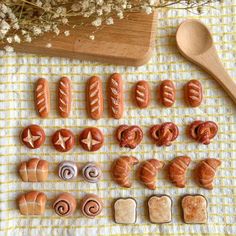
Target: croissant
(148, 170)
(121, 170)
(206, 171)
(34, 170)
(177, 170)
(32, 203)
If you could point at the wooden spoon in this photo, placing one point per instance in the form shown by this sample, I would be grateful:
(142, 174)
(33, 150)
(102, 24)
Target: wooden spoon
(195, 42)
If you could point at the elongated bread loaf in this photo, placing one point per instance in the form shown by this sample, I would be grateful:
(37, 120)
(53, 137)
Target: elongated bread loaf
(94, 98)
(64, 97)
(42, 98)
(115, 96)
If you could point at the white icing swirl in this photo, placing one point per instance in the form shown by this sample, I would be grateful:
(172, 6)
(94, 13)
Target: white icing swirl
(67, 170)
(92, 172)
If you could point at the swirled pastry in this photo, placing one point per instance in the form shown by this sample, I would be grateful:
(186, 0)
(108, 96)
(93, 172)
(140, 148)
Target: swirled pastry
(65, 204)
(91, 205)
(92, 172)
(67, 170)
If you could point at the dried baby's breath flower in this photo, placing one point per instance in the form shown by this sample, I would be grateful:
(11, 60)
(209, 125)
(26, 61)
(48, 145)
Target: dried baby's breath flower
(24, 20)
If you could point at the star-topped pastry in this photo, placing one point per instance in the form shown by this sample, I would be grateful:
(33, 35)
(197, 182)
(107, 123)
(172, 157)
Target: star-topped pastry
(33, 136)
(63, 140)
(91, 139)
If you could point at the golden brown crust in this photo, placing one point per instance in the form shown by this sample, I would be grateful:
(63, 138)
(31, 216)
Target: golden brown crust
(206, 171)
(34, 170)
(115, 96)
(167, 93)
(194, 209)
(142, 94)
(147, 172)
(94, 98)
(193, 93)
(64, 97)
(121, 170)
(42, 98)
(177, 170)
(32, 203)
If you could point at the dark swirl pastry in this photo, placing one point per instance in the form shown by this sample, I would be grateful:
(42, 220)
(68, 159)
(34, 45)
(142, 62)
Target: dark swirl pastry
(67, 170)
(65, 204)
(92, 172)
(91, 205)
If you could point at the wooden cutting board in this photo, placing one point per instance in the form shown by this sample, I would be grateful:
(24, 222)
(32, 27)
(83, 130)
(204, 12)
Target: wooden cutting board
(128, 42)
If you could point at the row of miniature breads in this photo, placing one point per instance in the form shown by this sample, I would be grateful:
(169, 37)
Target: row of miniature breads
(129, 136)
(36, 170)
(194, 207)
(94, 96)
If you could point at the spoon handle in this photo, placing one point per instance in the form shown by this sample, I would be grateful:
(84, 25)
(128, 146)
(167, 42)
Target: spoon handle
(212, 64)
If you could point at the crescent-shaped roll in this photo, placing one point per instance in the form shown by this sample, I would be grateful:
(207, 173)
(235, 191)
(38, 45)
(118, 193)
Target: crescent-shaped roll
(65, 204)
(91, 205)
(147, 172)
(121, 170)
(67, 170)
(206, 172)
(177, 170)
(32, 203)
(34, 170)
(92, 172)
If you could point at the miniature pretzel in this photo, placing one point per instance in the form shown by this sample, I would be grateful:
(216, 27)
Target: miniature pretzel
(202, 131)
(164, 134)
(129, 136)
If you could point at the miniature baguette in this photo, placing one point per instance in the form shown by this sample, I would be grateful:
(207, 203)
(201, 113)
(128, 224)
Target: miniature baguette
(94, 98)
(167, 93)
(42, 98)
(142, 94)
(64, 97)
(193, 93)
(115, 96)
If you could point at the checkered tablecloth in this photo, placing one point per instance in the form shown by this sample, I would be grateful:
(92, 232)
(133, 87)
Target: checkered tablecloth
(18, 74)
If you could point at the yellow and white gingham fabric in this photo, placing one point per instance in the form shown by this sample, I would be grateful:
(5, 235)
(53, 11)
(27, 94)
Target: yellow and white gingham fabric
(18, 74)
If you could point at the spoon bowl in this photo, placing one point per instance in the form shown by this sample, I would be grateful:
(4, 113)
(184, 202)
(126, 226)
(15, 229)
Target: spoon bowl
(195, 42)
(193, 37)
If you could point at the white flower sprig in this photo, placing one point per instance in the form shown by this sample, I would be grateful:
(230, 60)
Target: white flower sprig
(24, 20)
